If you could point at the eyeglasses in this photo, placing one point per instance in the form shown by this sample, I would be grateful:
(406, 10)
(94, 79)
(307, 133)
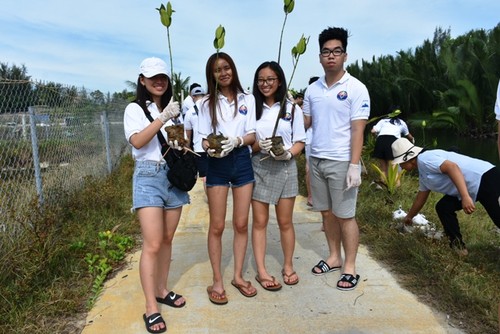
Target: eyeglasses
(336, 52)
(268, 81)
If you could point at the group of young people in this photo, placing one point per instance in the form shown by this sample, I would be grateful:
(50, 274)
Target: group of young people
(335, 107)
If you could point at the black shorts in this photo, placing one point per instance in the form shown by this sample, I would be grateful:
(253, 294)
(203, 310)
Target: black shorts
(383, 149)
(202, 164)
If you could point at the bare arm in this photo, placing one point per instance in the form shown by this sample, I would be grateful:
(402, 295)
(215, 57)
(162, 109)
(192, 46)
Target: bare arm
(417, 205)
(453, 171)
(357, 129)
(138, 140)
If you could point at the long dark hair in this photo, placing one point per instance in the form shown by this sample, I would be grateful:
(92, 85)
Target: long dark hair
(213, 88)
(142, 95)
(279, 95)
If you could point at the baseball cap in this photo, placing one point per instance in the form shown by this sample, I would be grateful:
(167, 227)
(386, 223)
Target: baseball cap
(153, 66)
(197, 91)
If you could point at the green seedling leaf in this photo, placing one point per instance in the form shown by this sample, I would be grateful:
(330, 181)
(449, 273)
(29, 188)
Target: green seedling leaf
(220, 33)
(289, 5)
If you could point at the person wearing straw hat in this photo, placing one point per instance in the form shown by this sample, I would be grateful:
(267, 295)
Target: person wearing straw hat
(462, 179)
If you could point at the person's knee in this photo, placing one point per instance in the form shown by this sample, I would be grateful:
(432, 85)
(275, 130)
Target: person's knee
(152, 247)
(216, 229)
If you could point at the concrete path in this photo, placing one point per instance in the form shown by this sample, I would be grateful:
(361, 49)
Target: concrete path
(314, 305)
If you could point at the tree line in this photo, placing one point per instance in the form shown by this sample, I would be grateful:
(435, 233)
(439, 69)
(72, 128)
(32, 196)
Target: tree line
(446, 82)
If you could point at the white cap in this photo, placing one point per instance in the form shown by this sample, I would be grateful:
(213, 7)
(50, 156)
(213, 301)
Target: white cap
(153, 66)
(197, 91)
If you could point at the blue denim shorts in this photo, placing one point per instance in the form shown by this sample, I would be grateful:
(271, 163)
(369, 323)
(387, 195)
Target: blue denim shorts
(151, 188)
(234, 170)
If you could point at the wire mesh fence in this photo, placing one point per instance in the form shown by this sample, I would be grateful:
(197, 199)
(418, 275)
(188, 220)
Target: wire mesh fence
(51, 138)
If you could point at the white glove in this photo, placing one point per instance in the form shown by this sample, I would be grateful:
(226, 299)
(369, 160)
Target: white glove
(211, 152)
(172, 110)
(287, 155)
(175, 145)
(265, 145)
(229, 144)
(353, 178)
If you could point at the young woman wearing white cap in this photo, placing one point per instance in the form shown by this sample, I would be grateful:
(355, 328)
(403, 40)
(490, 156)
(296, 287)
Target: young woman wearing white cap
(157, 203)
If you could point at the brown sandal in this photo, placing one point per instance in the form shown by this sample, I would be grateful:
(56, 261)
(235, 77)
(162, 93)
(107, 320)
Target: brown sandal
(240, 288)
(264, 281)
(287, 278)
(218, 298)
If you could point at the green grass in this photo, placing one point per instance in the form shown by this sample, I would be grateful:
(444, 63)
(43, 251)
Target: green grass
(52, 273)
(46, 284)
(467, 289)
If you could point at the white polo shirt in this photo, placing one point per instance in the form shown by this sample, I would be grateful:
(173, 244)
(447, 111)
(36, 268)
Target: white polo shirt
(265, 125)
(187, 104)
(431, 177)
(191, 123)
(228, 124)
(134, 121)
(384, 127)
(332, 109)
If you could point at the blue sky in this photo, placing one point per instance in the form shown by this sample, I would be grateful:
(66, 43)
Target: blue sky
(99, 44)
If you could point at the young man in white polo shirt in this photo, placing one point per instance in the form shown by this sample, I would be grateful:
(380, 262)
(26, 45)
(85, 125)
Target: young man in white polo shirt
(337, 107)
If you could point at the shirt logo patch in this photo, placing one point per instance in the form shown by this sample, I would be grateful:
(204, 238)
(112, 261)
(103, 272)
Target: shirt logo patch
(342, 95)
(243, 110)
(288, 116)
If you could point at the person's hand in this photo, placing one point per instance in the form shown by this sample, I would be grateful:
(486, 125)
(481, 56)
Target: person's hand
(353, 178)
(172, 110)
(229, 144)
(265, 145)
(468, 205)
(175, 145)
(287, 155)
(408, 221)
(211, 152)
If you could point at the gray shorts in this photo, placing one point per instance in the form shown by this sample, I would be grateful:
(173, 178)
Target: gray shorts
(328, 181)
(274, 179)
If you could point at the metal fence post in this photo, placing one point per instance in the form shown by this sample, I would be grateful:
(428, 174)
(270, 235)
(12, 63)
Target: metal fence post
(36, 157)
(105, 123)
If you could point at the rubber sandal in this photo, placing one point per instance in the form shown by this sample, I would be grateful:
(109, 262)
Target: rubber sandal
(170, 300)
(240, 288)
(275, 287)
(288, 277)
(216, 297)
(324, 268)
(154, 319)
(351, 279)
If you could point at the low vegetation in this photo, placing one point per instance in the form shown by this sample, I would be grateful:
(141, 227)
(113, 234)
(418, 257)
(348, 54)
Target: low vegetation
(466, 289)
(53, 274)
